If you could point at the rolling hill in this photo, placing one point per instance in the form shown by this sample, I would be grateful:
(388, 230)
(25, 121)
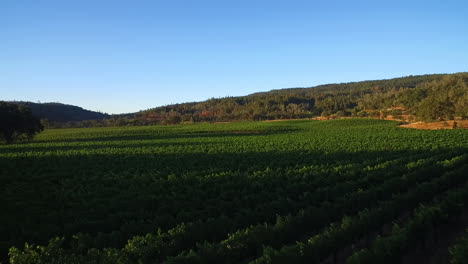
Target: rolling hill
(57, 112)
(433, 97)
(427, 97)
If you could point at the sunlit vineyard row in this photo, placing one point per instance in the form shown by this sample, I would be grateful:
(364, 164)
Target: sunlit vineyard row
(338, 191)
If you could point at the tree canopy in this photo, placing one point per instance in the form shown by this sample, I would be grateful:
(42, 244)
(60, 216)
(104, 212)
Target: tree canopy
(17, 123)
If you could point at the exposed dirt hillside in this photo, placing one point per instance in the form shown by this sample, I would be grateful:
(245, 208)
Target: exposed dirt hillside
(439, 125)
(450, 124)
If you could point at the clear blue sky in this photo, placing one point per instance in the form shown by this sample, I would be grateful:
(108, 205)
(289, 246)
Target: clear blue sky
(124, 56)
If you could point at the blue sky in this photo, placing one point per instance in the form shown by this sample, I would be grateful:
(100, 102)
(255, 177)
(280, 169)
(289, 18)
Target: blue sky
(124, 56)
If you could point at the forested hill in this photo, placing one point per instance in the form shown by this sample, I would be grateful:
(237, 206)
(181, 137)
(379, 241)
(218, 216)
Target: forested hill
(427, 97)
(57, 112)
(432, 97)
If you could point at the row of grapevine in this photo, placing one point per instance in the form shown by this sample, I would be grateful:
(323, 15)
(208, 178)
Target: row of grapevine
(459, 250)
(207, 193)
(151, 247)
(249, 242)
(241, 244)
(423, 224)
(350, 229)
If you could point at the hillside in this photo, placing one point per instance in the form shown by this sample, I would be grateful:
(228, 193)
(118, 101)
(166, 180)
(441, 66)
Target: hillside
(427, 97)
(435, 97)
(57, 112)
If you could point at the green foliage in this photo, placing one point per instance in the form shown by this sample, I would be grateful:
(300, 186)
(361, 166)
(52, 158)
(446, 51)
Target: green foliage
(17, 123)
(217, 193)
(418, 229)
(446, 99)
(459, 251)
(430, 97)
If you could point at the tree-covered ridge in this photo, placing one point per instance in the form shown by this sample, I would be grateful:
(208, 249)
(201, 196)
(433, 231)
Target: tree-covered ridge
(57, 112)
(429, 97)
(434, 97)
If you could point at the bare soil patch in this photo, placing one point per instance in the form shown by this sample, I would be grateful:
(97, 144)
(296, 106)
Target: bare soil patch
(451, 124)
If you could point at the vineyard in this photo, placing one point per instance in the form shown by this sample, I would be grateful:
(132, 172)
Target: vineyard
(338, 191)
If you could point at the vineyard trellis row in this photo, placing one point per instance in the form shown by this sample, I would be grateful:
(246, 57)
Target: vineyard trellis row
(240, 192)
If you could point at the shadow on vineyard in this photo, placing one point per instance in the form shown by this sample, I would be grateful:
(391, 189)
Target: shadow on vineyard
(41, 149)
(175, 135)
(105, 194)
(187, 164)
(149, 141)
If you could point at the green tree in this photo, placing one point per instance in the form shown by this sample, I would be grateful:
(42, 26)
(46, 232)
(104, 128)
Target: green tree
(17, 123)
(436, 108)
(340, 113)
(447, 98)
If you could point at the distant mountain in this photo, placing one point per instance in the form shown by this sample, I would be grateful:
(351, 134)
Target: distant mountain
(57, 112)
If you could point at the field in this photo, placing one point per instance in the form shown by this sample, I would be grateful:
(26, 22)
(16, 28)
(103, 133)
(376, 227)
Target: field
(350, 190)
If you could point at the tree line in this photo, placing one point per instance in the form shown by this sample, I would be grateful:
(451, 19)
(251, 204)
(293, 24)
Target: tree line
(436, 97)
